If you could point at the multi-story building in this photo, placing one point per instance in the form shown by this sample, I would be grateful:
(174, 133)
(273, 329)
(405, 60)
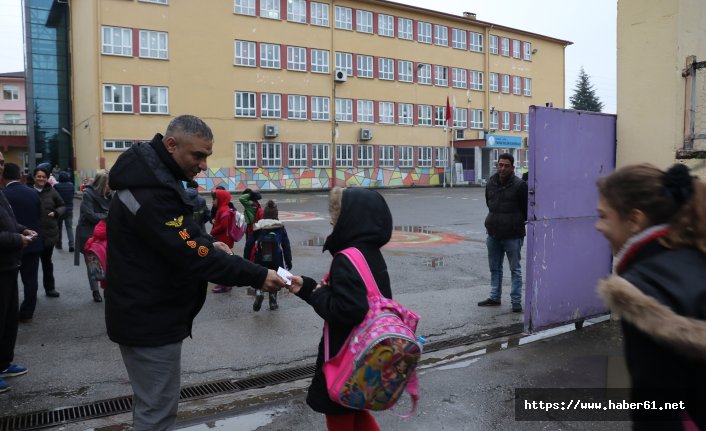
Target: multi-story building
(298, 92)
(13, 120)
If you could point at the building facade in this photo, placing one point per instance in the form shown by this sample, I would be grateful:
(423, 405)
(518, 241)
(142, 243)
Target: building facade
(303, 94)
(13, 118)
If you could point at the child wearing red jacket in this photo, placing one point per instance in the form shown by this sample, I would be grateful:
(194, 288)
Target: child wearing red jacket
(221, 225)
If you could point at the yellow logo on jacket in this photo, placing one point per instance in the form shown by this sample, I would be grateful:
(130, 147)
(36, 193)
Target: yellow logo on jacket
(176, 222)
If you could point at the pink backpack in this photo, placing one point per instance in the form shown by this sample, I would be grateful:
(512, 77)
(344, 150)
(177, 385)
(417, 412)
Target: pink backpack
(236, 224)
(379, 358)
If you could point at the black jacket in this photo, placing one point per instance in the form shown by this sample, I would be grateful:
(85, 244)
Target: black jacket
(365, 222)
(660, 294)
(27, 207)
(159, 262)
(51, 202)
(507, 205)
(263, 227)
(10, 240)
(66, 191)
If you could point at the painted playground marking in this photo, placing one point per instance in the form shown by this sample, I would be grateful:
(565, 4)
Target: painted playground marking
(298, 216)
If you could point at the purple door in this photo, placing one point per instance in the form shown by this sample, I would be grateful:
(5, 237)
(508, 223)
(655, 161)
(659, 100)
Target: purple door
(566, 256)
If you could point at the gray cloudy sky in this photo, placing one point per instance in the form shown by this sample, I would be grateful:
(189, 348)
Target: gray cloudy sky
(590, 25)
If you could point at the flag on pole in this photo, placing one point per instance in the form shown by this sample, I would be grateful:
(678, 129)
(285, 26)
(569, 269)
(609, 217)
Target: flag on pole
(448, 111)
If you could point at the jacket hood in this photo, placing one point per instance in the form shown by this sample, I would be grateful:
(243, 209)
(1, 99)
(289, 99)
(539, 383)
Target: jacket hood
(192, 193)
(267, 223)
(684, 334)
(64, 177)
(364, 221)
(222, 199)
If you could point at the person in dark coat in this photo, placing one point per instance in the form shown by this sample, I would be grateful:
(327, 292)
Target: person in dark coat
(27, 208)
(655, 222)
(66, 190)
(361, 219)
(13, 239)
(201, 212)
(52, 210)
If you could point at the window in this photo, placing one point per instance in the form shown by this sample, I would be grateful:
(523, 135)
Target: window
(156, 1)
(270, 105)
(460, 118)
(440, 115)
(493, 44)
(320, 108)
(269, 9)
(365, 156)
(493, 82)
(320, 155)
(441, 76)
(387, 156)
(11, 118)
(116, 98)
(423, 32)
(517, 122)
(344, 110)
(405, 114)
(363, 21)
(475, 42)
(296, 107)
(296, 155)
(386, 25)
(476, 80)
(296, 11)
(458, 38)
(506, 121)
(516, 48)
(477, 119)
(245, 53)
(344, 18)
(344, 156)
(154, 100)
(319, 61)
(424, 74)
(365, 111)
(459, 77)
(319, 14)
(10, 92)
(269, 56)
(424, 115)
(406, 156)
(424, 157)
(506, 84)
(365, 66)
(493, 120)
(404, 71)
(245, 154)
(387, 112)
(505, 47)
(245, 104)
(441, 35)
(117, 145)
(153, 44)
(344, 62)
(442, 156)
(271, 153)
(528, 51)
(516, 85)
(245, 7)
(525, 122)
(386, 69)
(404, 28)
(528, 87)
(117, 41)
(296, 58)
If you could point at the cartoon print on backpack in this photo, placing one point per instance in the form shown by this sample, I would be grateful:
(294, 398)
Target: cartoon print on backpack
(269, 246)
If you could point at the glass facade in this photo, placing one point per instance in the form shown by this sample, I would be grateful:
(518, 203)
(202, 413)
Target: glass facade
(46, 27)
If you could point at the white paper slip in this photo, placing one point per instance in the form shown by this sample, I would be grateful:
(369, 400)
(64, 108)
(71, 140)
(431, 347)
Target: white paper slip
(284, 274)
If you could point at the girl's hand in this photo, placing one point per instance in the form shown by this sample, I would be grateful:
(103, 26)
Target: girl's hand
(297, 283)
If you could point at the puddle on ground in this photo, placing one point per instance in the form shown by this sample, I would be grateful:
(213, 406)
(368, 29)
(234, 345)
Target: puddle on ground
(78, 392)
(314, 242)
(435, 262)
(246, 422)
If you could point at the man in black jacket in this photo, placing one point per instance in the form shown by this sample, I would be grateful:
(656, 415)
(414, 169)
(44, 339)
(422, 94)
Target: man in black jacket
(160, 262)
(506, 197)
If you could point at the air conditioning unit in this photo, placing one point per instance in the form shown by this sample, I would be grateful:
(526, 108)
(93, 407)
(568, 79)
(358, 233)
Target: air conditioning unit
(271, 130)
(481, 134)
(340, 76)
(366, 134)
(458, 134)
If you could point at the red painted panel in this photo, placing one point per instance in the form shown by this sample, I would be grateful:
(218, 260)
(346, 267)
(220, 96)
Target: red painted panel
(376, 67)
(135, 42)
(376, 111)
(285, 103)
(353, 18)
(283, 10)
(135, 98)
(355, 64)
(283, 56)
(415, 114)
(375, 23)
(257, 105)
(355, 110)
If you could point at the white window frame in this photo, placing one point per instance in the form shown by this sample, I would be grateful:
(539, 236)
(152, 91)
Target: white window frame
(506, 84)
(406, 153)
(343, 18)
(459, 77)
(245, 104)
(516, 85)
(117, 144)
(424, 32)
(460, 118)
(155, 1)
(10, 92)
(296, 58)
(363, 21)
(493, 82)
(244, 7)
(297, 155)
(441, 76)
(475, 41)
(296, 11)
(12, 118)
(458, 38)
(270, 105)
(506, 120)
(404, 71)
(424, 158)
(121, 47)
(154, 100)
(441, 35)
(364, 66)
(386, 25)
(320, 61)
(441, 155)
(366, 111)
(271, 154)
(516, 49)
(386, 69)
(270, 9)
(477, 119)
(493, 125)
(476, 81)
(386, 156)
(319, 14)
(439, 116)
(424, 115)
(344, 156)
(124, 95)
(320, 108)
(148, 39)
(245, 154)
(517, 123)
(504, 47)
(366, 157)
(528, 51)
(245, 53)
(493, 44)
(386, 111)
(344, 110)
(405, 28)
(344, 62)
(270, 55)
(320, 155)
(424, 74)
(528, 87)
(405, 114)
(525, 122)
(296, 107)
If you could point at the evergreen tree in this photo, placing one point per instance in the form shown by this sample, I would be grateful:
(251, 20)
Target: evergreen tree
(584, 97)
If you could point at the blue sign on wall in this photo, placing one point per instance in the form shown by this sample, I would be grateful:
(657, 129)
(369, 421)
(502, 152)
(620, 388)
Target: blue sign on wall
(500, 141)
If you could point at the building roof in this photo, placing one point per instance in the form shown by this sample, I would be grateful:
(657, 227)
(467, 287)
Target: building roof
(12, 75)
(465, 19)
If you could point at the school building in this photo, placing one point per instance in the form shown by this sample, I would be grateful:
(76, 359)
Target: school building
(303, 94)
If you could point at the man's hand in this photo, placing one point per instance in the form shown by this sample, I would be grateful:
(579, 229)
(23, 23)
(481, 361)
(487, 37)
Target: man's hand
(28, 236)
(223, 247)
(273, 282)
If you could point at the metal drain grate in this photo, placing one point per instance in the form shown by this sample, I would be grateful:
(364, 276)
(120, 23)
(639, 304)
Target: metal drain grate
(114, 406)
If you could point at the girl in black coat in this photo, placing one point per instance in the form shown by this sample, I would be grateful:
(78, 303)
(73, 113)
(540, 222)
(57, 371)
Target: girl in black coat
(361, 219)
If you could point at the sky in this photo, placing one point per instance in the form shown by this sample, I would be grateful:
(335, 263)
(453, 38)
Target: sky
(591, 26)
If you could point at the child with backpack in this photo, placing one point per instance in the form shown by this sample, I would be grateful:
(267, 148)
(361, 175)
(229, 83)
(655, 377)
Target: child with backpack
(362, 224)
(221, 225)
(269, 246)
(252, 210)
